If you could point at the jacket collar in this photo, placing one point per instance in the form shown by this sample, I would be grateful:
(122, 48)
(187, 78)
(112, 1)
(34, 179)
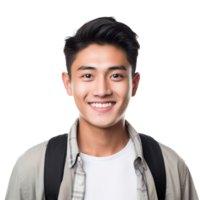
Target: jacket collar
(73, 150)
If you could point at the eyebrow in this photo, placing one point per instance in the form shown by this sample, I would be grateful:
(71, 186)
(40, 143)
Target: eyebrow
(121, 67)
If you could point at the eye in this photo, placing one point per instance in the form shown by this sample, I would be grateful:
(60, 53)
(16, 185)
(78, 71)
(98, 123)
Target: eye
(118, 75)
(85, 75)
(112, 75)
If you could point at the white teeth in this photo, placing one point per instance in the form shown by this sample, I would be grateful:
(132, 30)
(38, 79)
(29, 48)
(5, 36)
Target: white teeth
(100, 105)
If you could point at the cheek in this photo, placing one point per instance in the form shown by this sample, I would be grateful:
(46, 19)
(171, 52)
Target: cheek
(124, 90)
(79, 92)
(79, 88)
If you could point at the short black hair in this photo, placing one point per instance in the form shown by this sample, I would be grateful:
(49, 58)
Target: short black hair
(103, 30)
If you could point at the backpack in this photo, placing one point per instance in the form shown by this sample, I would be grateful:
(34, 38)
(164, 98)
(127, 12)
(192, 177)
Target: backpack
(55, 161)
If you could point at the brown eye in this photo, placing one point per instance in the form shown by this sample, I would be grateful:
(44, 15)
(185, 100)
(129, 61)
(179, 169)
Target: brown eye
(85, 75)
(90, 75)
(118, 75)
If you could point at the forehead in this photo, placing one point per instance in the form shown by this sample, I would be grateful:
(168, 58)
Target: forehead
(96, 54)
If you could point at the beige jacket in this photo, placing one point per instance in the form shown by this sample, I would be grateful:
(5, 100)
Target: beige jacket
(26, 182)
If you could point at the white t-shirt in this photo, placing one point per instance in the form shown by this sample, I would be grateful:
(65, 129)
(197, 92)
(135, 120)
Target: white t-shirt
(112, 177)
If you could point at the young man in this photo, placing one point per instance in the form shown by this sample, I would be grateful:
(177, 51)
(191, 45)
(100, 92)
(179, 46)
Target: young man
(104, 152)
(101, 88)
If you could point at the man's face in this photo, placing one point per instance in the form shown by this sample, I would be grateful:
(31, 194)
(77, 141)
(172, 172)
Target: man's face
(93, 81)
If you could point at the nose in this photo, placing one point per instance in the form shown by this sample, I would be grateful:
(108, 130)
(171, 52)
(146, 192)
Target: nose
(101, 88)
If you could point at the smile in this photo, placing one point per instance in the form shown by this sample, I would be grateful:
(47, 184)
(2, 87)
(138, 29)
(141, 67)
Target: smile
(102, 106)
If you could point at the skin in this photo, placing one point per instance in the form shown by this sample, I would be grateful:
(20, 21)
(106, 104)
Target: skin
(101, 133)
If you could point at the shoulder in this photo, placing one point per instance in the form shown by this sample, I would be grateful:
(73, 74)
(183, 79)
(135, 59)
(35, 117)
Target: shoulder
(33, 157)
(26, 180)
(179, 179)
(169, 153)
(172, 159)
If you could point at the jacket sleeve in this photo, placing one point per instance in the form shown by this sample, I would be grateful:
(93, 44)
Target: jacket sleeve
(15, 190)
(188, 189)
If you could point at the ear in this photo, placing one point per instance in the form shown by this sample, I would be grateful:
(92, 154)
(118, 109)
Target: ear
(66, 82)
(135, 82)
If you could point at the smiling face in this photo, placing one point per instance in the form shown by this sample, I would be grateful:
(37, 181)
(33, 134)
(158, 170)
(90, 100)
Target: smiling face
(101, 73)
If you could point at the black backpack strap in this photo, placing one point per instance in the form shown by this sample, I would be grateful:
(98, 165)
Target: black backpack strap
(154, 158)
(55, 160)
(54, 166)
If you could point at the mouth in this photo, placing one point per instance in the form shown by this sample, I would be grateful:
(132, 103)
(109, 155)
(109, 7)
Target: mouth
(102, 102)
(103, 106)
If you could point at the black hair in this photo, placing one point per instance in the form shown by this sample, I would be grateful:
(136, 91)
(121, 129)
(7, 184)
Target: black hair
(103, 30)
